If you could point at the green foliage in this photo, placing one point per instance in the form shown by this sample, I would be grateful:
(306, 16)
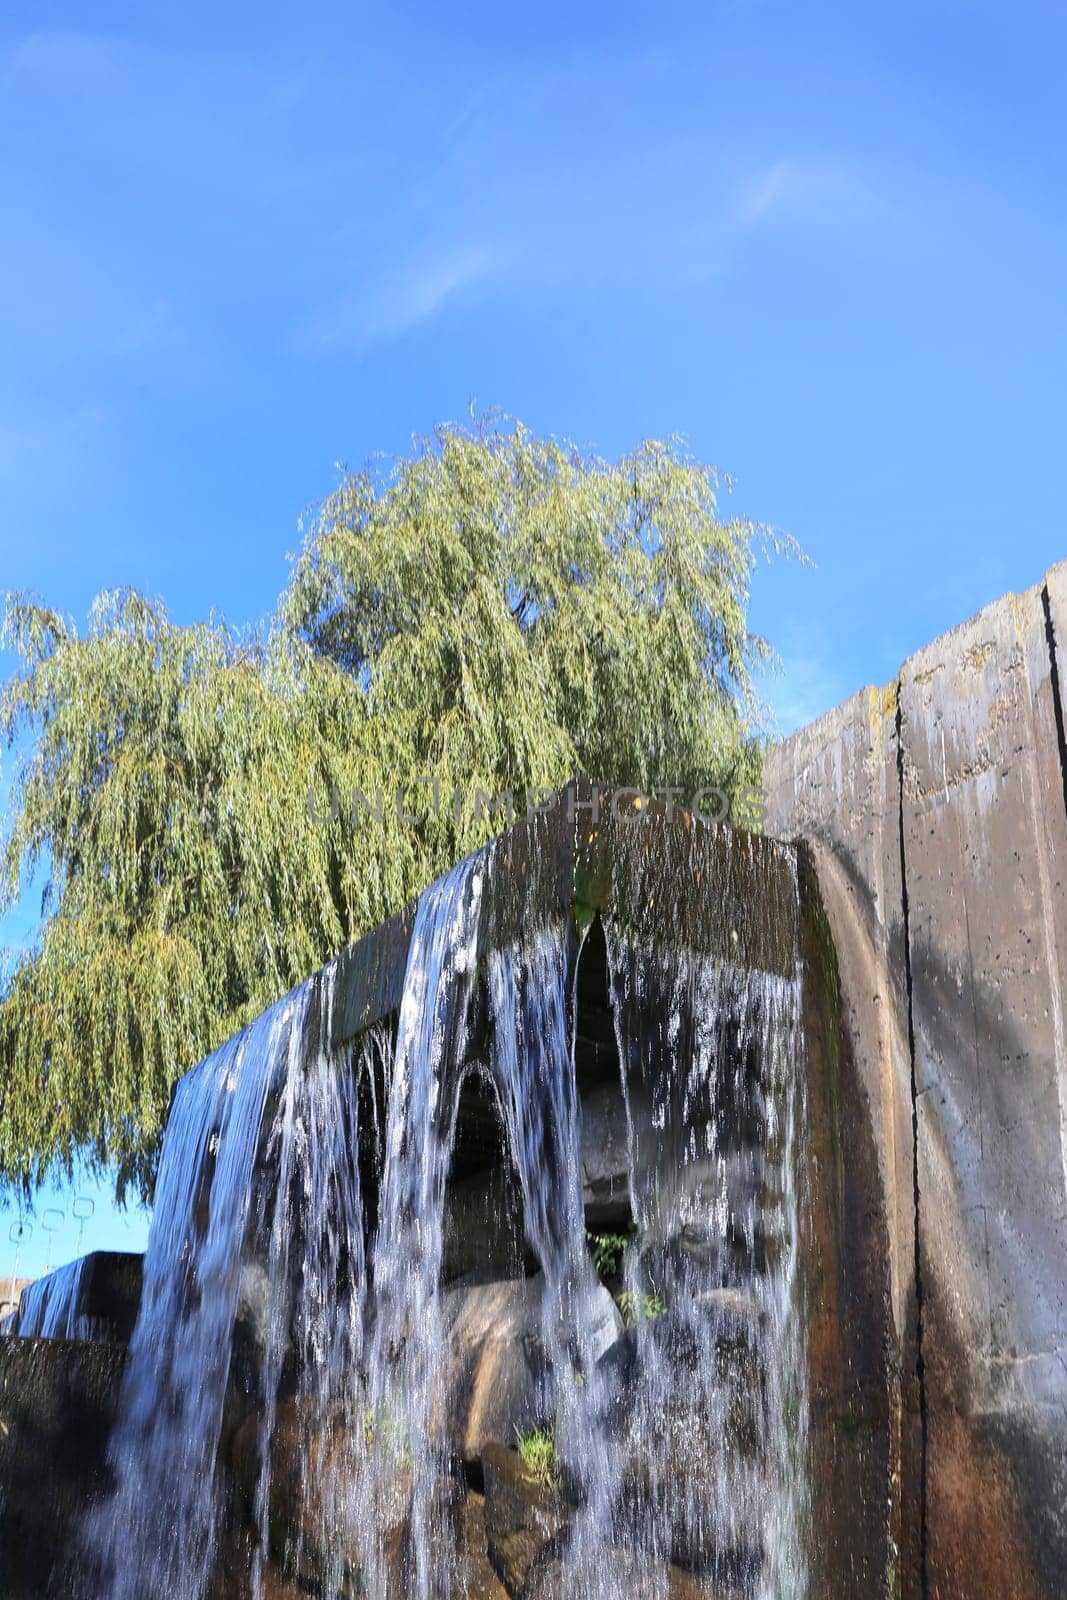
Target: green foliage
(641, 1307)
(381, 1430)
(513, 607)
(537, 1452)
(495, 612)
(606, 1250)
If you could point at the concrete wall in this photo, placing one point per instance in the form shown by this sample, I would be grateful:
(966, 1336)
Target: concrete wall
(57, 1406)
(938, 811)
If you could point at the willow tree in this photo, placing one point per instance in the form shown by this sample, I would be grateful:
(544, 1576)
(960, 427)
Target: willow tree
(495, 613)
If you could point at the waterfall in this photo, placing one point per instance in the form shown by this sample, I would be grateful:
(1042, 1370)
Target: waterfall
(51, 1308)
(718, 1415)
(688, 1444)
(306, 1192)
(157, 1535)
(533, 1066)
(402, 1481)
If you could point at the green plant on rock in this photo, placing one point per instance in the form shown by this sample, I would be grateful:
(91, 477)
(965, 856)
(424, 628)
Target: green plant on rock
(381, 1431)
(537, 1452)
(606, 1250)
(640, 1307)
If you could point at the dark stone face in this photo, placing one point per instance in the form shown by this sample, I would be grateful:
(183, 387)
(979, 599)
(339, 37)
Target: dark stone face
(57, 1406)
(853, 1372)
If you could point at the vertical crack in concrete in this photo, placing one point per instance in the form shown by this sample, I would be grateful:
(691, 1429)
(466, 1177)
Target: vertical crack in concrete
(920, 1361)
(1047, 899)
(1057, 693)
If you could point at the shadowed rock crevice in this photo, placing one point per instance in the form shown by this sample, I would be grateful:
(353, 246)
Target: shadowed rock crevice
(1057, 687)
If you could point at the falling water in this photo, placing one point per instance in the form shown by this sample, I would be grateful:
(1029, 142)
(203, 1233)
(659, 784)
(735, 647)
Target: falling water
(683, 1443)
(311, 1231)
(533, 1066)
(717, 1414)
(51, 1308)
(406, 1352)
(385, 1493)
(157, 1535)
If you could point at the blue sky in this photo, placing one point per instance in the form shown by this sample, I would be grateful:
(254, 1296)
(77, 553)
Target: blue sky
(826, 242)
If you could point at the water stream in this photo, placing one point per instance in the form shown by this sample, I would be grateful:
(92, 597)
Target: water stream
(157, 1535)
(717, 1417)
(51, 1308)
(684, 1442)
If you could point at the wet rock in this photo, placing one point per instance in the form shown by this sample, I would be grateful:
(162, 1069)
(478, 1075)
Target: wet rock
(623, 1573)
(523, 1520)
(232, 1577)
(719, 1351)
(495, 1365)
(482, 1228)
(604, 1155)
(496, 1361)
(303, 1470)
(314, 1515)
(684, 1401)
(476, 1577)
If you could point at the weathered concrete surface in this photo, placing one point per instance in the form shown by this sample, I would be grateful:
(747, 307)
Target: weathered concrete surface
(864, 1535)
(947, 907)
(57, 1404)
(577, 854)
(836, 783)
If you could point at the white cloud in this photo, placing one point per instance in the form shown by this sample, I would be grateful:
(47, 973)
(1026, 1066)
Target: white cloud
(557, 179)
(794, 190)
(424, 287)
(764, 193)
(60, 54)
(397, 301)
(806, 684)
(531, 178)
